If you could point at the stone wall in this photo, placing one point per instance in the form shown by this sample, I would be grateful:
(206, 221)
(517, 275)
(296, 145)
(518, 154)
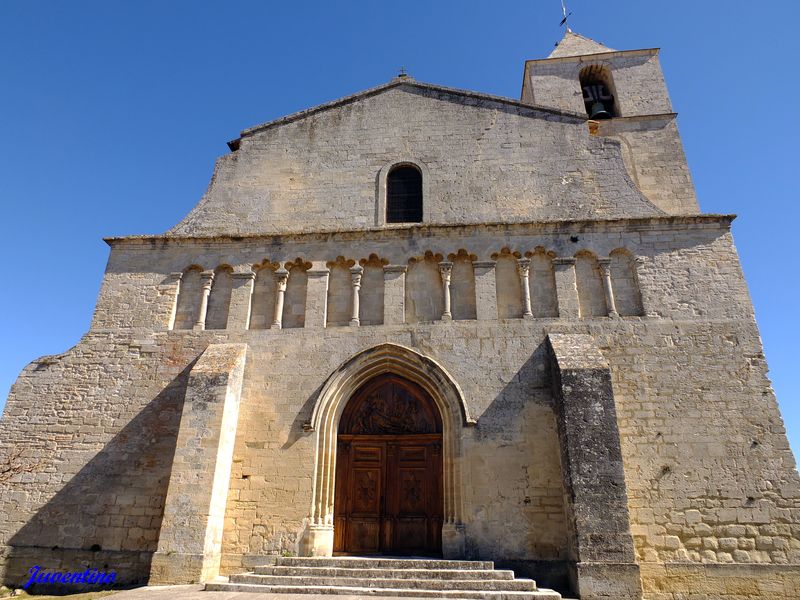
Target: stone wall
(321, 169)
(710, 477)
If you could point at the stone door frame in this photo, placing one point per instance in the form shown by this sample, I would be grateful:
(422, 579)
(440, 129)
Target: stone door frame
(334, 395)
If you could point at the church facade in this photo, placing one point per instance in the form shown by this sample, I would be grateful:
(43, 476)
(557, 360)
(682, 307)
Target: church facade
(429, 322)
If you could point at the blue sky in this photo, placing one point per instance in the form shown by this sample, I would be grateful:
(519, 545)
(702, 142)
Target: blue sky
(114, 112)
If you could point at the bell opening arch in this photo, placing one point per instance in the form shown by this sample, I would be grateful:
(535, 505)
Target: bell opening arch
(334, 395)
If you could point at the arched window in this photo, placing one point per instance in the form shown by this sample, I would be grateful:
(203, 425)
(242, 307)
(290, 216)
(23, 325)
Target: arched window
(404, 195)
(598, 92)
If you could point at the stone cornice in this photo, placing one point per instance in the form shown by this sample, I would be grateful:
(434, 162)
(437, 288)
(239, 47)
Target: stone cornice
(595, 57)
(656, 222)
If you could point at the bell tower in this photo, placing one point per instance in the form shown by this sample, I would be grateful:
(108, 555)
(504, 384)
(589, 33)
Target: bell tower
(623, 96)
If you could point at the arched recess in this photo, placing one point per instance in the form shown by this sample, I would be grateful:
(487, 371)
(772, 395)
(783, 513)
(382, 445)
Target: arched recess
(262, 311)
(462, 286)
(189, 293)
(508, 285)
(589, 280)
(219, 301)
(340, 292)
(543, 283)
(334, 395)
(625, 283)
(424, 289)
(294, 306)
(372, 290)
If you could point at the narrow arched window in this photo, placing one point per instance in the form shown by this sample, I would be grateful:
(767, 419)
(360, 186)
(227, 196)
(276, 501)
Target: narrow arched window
(404, 195)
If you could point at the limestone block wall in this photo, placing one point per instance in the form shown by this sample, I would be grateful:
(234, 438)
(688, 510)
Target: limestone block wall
(711, 480)
(636, 75)
(320, 170)
(645, 125)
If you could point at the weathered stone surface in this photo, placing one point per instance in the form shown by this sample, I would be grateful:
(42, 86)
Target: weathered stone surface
(608, 418)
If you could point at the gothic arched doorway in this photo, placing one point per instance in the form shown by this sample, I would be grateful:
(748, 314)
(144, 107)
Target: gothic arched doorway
(388, 496)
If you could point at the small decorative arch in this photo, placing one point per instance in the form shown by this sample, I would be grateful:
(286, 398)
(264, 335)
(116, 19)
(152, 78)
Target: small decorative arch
(599, 93)
(382, 205)
(334, 395)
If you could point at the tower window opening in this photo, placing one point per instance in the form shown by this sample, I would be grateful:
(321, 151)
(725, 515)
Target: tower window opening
(404, 195)
(598, 92)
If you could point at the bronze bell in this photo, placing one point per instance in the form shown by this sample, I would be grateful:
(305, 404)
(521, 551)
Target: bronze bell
(599, 111)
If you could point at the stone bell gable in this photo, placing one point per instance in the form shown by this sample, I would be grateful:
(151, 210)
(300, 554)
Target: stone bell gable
(426, 322)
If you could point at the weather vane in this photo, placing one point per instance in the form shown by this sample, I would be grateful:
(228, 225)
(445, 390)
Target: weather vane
(566, 16)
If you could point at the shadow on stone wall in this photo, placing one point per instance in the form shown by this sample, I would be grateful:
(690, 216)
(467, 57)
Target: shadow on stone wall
(505, 424)
(108, 516)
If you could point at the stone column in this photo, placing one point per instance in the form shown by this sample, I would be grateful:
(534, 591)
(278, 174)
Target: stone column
(446, 271)
(206, 279)
(170, 288)
(603, 560)
(605, 269)
(485, 290)
(566, 288)
(281, 279)
(317, 295)
(355, 276)
(394, 294)
(190, 541)
(524, 270)
(241, 295)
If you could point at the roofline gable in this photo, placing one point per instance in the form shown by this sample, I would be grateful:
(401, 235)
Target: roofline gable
(398, 82)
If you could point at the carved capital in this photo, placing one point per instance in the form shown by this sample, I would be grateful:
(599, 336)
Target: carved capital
(523, 266)
(281, 278)
(206, 279)
(446, 269)
(355, 275)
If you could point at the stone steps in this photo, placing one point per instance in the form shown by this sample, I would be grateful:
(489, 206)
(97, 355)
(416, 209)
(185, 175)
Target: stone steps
(485, 574)
(378, 580)
(410, 578)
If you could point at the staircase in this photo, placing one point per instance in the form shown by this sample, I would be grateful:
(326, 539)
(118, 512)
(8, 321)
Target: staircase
(397, 577)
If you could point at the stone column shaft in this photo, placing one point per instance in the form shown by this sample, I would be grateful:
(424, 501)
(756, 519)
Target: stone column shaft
(206, 279)
(524, 269)
(605, 269)
(446, 271)
(281, 279)
(355, 276)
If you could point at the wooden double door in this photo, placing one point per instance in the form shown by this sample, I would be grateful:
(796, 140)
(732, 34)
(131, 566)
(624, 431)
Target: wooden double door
(389, 472)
